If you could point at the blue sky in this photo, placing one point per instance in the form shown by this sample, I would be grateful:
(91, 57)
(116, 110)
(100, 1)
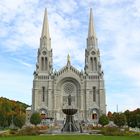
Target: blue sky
(117, 25)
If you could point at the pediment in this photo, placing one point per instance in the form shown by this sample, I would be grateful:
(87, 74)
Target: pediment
(68, 69)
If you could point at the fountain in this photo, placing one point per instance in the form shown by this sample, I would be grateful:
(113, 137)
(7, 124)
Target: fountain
(70, 125)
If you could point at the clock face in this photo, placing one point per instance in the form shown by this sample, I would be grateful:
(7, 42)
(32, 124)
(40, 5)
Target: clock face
(92, 52)
(44, 53)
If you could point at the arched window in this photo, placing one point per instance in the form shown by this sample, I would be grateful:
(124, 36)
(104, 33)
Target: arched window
(42, 63)
(94, 94)
(46, 61)
(95, 63)
(43, 94)
(91, 62)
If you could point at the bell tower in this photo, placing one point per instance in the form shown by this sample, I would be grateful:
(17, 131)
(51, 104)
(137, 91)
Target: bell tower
(92, 51)
(42, 87)
(44, 62)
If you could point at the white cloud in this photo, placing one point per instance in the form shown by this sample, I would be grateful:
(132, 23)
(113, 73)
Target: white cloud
(136, 7)
(67, 6)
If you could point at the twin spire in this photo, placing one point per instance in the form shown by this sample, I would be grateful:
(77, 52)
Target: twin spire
(45, 40)
(91, 40)
(91, 31)
(45, 29)
(45, 36)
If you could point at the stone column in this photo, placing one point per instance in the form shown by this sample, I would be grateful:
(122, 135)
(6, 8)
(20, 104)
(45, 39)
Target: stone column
(82, 99)
(50, 101)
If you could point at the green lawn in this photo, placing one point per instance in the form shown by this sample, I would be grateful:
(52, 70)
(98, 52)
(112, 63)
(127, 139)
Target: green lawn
(71, 137)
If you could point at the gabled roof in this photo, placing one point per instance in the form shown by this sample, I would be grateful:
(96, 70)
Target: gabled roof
(68, 68)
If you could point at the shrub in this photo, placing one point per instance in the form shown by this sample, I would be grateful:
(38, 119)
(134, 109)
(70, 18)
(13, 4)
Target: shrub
(119, 119)
(35, 118)
(4, 134)
(112, 131)
(103, 120)
(29, 131)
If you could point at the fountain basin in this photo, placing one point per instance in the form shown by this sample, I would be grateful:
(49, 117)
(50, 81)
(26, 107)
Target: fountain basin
(69, 111)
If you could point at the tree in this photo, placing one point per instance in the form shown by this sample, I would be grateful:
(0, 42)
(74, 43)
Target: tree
(3, 121)
(103, 120)
(35, 118)
(10, 109)
(19, 120)
(127, 114)
(119, 119)
(138, 120)
(110, 116)
(4, 113)
(132, 121)
(133, 118)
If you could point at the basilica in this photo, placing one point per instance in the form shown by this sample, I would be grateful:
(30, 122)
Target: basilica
(51, 88)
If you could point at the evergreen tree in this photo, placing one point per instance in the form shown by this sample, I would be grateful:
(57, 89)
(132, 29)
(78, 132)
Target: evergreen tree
(138, 120)
(35, 118)
(103, 120)
(10, 109)
(119, 119)
(19, 120)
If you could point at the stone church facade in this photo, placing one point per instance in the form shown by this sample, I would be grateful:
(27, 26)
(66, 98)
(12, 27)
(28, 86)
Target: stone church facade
(51, 88)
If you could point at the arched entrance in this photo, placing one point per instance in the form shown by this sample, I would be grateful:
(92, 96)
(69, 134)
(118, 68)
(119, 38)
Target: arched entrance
(44, 116)
(68, 86)
(94, 114)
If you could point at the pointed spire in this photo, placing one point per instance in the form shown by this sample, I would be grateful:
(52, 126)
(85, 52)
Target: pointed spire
(45, 40)
(68, 59)
(45, 29)
(91, 31)
(91, 40)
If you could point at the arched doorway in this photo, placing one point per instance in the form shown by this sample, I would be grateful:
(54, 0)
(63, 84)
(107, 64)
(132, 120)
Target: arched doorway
(44, 116)
(94, 114)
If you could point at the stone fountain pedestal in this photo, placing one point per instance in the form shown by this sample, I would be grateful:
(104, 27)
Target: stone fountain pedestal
(70, 125)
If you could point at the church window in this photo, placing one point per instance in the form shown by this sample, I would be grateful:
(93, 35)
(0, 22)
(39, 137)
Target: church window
(92, 52)
(94, 94)
(46, 61)
(44, 52)
(91, 60)
(95, 63)
(43, 94)
(68, 88)
(42, 63)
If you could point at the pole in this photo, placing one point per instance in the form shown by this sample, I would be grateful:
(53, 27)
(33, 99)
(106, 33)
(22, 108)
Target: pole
(117, 108)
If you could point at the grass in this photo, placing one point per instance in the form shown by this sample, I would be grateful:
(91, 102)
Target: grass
(71, 137)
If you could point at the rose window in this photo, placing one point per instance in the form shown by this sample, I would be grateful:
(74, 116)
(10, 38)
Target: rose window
(68, 88)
